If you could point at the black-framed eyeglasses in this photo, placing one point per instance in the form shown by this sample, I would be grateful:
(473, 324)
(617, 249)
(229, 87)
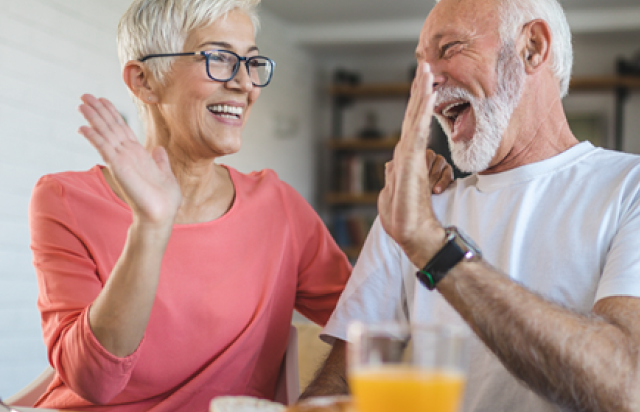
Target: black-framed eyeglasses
(223, 65)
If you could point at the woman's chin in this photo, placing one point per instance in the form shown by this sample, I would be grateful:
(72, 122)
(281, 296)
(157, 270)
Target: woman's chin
(229, 148)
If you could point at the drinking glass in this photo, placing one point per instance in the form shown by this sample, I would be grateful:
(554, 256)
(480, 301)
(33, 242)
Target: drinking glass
(409, 368)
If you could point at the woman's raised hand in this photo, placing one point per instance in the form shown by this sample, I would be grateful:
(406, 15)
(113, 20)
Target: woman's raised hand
(145, 180)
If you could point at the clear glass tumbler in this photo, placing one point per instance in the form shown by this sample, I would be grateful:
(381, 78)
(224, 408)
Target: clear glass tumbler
(409, 368)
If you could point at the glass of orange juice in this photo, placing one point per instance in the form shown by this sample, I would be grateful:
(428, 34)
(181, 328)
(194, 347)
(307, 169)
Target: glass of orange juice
(408, 368)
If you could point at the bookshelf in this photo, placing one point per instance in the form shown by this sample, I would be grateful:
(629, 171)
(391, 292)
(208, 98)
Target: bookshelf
(357, 178)
(354, 153)
(357, 167)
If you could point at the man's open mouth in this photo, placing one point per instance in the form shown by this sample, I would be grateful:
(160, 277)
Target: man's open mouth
(454, 113)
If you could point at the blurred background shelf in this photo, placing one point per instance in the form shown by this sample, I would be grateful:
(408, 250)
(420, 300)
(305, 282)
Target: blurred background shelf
(341, 143)
(342, 198)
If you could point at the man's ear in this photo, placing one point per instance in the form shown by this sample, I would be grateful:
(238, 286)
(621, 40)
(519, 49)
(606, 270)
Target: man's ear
(137, 78)
(535, 45)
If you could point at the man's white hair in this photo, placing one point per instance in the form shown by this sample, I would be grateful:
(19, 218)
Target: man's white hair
(516, 13)
(162, 26)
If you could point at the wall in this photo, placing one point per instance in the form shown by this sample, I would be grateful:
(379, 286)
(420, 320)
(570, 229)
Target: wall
(53, 51)
(596, 55)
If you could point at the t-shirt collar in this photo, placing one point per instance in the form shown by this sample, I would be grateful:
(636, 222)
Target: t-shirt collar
(487, 183)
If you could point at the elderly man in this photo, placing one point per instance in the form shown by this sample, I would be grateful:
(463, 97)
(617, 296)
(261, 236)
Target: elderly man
(561, 331)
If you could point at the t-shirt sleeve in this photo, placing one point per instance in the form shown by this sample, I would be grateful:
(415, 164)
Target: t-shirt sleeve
(376, 290)
(323, 269)
(68, 284)
(621, 274)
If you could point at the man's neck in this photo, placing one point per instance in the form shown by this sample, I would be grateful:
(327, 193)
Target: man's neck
(539, 130)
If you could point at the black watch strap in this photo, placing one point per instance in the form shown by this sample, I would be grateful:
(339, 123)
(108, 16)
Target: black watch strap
(441, 263)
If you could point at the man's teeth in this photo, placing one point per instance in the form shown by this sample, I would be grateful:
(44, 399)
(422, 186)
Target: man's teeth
(448, 110)
(224, 110)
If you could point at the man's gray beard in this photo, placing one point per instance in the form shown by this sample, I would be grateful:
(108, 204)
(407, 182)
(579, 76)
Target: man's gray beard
(492, 113)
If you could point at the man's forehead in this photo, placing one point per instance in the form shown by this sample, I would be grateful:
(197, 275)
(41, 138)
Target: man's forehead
(466, 18)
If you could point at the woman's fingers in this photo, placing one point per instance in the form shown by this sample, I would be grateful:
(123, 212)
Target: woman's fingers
(105, 149)
(160, 156)
(94, 112)
(440, 172)
(118, 120)
(106, 121)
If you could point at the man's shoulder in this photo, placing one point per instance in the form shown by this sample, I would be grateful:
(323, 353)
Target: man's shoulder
(611, 164)
(612, 155)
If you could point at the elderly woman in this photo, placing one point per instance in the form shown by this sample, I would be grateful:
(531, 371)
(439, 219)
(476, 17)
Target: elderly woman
(167, 279)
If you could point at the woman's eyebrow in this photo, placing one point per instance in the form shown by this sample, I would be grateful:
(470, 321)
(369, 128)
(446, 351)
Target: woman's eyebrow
(225, 45)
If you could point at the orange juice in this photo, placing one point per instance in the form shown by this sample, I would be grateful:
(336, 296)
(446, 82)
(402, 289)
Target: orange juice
(406, 389)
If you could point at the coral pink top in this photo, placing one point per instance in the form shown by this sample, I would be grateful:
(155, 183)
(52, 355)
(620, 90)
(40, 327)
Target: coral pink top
(220, 320)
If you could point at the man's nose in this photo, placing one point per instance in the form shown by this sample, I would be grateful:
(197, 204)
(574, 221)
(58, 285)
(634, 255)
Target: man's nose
(438, 80)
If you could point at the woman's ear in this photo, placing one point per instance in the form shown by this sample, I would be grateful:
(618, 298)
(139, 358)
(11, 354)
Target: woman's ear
(137, 78)
(535, 45)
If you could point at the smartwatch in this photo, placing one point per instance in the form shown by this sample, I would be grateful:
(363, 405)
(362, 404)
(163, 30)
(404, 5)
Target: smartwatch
(457, 247)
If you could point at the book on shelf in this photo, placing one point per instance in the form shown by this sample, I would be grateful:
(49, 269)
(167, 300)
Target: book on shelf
(356, 174)
(351, 229)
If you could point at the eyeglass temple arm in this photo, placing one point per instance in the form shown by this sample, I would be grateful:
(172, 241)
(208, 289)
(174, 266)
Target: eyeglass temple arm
(169, 55)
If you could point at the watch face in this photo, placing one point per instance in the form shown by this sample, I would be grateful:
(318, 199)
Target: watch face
(463, 242)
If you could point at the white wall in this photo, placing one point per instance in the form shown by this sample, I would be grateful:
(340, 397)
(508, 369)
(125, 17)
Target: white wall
(51, 52)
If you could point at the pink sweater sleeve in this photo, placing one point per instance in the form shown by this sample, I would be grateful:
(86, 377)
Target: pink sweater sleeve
(68, 284)
(323, 268)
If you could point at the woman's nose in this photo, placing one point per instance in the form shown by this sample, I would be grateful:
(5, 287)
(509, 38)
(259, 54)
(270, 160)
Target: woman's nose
(242, 79)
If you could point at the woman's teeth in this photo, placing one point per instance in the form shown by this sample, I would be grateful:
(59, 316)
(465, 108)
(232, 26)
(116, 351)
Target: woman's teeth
(224, 110)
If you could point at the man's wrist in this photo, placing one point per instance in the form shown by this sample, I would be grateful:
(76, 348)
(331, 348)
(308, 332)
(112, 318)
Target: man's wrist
(457, 248)
(433, 242)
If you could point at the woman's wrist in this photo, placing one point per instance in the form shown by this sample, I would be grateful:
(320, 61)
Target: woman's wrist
(151, 232)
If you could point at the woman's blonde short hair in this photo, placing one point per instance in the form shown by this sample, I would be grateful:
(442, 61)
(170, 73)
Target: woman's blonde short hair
(162, 26)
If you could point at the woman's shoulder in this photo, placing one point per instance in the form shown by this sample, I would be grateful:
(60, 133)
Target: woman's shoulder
(267, 186)
(257, 177)
(87, 181)
(265, 179)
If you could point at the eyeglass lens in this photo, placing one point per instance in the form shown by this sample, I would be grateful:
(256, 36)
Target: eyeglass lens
(222, 64)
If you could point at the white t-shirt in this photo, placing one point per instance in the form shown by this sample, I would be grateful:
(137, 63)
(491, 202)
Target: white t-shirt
(567, 228)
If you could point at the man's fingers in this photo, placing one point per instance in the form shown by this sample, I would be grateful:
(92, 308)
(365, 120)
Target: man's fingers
(423, 126)
(415, 99)
(417, 122)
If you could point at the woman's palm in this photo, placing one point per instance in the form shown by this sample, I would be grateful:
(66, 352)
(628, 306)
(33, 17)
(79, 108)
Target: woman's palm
(144, 179)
